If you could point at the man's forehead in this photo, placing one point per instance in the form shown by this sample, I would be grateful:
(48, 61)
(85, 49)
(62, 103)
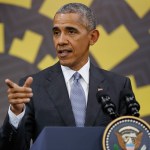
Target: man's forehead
(73, 17)
(69, 19)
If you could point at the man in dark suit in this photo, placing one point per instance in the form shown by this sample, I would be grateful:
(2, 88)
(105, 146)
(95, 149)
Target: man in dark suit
(43, 99)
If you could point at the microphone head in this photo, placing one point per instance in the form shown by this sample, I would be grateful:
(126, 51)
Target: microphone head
(126, 92)
(100, 94)
(128, 97)
(107, 105)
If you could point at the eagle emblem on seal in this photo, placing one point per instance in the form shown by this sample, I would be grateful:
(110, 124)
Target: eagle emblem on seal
(129, 138)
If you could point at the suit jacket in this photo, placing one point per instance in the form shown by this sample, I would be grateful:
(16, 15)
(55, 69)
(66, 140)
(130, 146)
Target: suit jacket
(51, 106)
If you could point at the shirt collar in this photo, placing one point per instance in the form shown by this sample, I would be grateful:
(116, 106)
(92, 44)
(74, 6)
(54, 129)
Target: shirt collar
(84, 71)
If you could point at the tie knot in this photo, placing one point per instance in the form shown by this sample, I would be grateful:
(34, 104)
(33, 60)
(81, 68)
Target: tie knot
(76, 76)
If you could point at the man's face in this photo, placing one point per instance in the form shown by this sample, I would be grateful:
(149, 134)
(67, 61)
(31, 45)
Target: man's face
(71, 39)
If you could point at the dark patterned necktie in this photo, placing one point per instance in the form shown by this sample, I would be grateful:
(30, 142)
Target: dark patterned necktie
(78, 101)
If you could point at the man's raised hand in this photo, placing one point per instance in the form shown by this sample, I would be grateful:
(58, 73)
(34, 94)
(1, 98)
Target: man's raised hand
(19, 95)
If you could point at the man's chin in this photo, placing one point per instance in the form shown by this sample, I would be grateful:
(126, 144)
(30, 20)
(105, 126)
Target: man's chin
(64, 63)
(70, 65)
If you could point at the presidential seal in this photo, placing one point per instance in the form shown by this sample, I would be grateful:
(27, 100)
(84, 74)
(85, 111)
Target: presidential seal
(127, 133)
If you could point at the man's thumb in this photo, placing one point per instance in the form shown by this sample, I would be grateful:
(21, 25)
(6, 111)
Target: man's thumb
(28, 82)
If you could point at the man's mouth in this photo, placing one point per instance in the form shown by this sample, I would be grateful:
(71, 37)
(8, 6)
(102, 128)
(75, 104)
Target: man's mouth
(64, 53)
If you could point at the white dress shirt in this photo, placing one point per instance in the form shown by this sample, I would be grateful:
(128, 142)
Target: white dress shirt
(68, 73)
(15, 119)
(84, 81)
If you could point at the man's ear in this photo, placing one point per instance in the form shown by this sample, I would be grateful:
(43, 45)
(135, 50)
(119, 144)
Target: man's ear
(94, 35)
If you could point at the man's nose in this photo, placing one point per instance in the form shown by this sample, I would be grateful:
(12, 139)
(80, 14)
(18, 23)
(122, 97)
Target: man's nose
(62, 39)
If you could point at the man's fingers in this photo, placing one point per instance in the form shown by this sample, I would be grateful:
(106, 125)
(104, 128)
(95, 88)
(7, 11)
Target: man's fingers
(19, 95)
(10, 83)
(19, 101)
(13, 87)
(19, 90)
(28, 82)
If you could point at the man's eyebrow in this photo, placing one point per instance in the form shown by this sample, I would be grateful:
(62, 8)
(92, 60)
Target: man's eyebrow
(66, 28)
(71, 28)
(55, 28)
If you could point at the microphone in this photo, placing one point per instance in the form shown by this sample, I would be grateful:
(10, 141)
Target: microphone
(107, 105)
(133, 106)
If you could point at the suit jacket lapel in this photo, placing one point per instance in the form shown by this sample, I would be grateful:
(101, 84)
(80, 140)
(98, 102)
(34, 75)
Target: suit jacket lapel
(96, 81)
(57, 90)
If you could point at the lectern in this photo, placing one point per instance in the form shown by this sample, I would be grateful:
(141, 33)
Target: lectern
(69, 138)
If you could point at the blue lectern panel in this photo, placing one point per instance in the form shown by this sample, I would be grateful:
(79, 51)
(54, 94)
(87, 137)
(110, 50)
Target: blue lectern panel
(69, 138)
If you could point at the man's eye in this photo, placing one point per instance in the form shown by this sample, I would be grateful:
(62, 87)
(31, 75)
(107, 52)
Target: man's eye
(72, 31)
(56, 33)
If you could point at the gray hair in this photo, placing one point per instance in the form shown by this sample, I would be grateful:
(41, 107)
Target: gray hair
(81, 9)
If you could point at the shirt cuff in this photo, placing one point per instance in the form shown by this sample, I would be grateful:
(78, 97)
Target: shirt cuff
(15, 119)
